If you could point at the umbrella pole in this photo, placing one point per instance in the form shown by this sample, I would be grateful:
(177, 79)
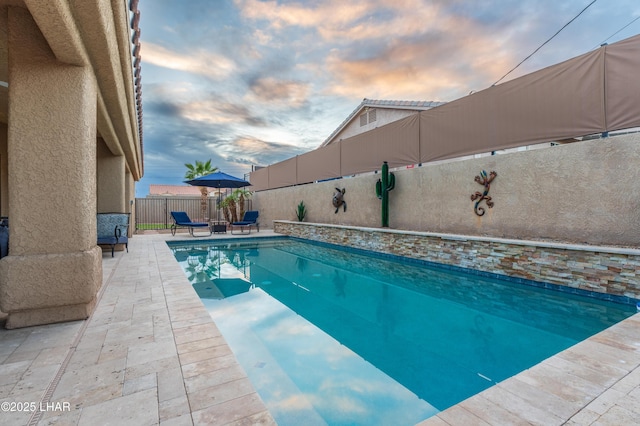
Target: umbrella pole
(218, 206)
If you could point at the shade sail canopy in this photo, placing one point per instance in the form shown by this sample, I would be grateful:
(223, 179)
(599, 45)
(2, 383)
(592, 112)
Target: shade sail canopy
(219, 180)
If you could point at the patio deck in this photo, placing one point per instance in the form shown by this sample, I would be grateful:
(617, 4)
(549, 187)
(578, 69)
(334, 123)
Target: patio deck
(150, 354)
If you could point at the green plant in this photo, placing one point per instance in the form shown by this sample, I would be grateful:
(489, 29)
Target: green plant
(385, 184)
(301, 212)
(241, 195)
(224, 205)
(232, 202)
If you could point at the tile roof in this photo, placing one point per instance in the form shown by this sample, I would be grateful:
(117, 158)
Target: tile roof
(381, 103)
(419, 105)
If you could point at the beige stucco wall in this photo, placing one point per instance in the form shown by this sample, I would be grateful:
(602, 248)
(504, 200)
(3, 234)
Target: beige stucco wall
(111, 181)
(129, 196)
(585, 192)
(69, 147)
(4, 167)
(54, 268)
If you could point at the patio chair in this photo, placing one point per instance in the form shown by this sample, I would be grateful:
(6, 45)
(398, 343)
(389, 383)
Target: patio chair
(4, 237)
(181, 219)
(113, 229)
(250, 219)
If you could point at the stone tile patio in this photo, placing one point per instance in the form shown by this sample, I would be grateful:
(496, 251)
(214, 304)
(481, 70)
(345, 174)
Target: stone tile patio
(150, 354)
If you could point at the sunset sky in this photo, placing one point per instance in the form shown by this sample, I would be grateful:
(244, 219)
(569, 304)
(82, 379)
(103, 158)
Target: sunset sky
(250, 82)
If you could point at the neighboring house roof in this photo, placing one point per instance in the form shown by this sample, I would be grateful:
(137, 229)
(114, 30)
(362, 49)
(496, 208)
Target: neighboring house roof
(377, 103)
(169, 190)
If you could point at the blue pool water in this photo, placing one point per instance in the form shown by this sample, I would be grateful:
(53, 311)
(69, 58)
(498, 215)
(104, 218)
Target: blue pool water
(332, 336)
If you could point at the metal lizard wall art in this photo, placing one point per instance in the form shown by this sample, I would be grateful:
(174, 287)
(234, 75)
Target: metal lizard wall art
(484, 180)
(338, 200)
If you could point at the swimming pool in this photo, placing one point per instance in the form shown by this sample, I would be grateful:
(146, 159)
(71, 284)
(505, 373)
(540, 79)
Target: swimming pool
(333, 336)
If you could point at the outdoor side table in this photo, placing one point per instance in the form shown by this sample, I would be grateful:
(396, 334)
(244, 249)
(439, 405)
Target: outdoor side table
(219, 227)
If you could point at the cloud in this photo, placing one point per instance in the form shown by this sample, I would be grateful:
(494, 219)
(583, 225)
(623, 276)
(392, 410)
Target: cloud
(169, 145)
(387, 21)
(262, 37)
(186, 101)
(200, 61)
(288, 93)
(337, 12)
(252, 150)
(216, 111)
(408, 49)
(347, 22)
(162, 108)
(403, 71)
(426, 55)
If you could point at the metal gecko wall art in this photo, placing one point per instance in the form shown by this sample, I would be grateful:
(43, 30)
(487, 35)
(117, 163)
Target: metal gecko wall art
(338, 200)
(484, 180)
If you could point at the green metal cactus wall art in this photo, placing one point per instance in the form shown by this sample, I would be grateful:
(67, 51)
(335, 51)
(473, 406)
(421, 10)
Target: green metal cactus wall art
(385, 184)
(484, 180)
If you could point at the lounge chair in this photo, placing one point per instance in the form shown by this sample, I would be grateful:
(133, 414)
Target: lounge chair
(250, 219)
(113, 229)
(181, 219)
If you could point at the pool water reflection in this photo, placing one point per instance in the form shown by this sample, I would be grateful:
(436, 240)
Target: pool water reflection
(333, 337)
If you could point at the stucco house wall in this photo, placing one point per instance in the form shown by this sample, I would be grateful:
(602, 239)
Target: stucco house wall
(373, 113)
(4, 199)
(70, 146)
(382, 116)
(585, 192)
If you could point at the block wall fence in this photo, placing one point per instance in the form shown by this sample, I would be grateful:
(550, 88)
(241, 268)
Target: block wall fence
(585, 192)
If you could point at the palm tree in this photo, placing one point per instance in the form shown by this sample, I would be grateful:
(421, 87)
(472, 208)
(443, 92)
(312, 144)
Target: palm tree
(196, 171)
(242, 195)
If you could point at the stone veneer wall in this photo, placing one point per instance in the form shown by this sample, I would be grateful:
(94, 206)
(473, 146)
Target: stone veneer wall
(610, 270)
